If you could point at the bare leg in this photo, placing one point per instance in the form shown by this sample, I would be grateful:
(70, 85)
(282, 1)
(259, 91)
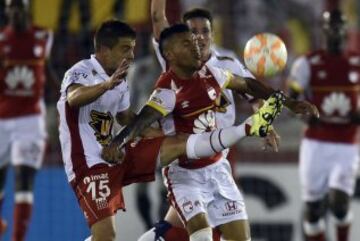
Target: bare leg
(104, 230)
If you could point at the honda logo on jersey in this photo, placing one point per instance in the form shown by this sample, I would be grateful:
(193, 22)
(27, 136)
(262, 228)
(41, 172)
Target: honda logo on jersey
(336, 102)
(20, 80)
(205, 122)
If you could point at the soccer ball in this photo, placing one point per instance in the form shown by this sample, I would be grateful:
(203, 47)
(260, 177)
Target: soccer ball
(265, 55)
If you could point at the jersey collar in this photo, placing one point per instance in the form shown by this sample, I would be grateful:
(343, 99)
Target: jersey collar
(98, 68)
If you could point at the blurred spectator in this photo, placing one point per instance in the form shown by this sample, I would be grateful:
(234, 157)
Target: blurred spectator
(84, 46)
(24, 53)
(329, 152)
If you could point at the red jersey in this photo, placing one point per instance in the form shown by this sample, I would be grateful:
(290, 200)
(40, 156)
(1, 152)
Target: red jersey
(22, 70)
(332, 83)
(190, 104)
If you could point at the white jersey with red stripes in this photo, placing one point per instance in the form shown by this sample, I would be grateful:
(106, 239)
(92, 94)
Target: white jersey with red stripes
(226, 60)
(84, 130)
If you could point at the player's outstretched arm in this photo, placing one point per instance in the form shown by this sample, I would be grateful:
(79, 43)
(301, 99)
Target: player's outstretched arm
(260, 90)
(79, 95)
(158, 17)
(208, 143)
(142, 121)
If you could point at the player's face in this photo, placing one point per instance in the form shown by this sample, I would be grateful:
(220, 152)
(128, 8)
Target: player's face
(186, 52)
(201, 28)
(18, 15)
(335, 32)
(123, 50)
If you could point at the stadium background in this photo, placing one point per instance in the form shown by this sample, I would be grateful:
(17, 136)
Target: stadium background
(270, 181)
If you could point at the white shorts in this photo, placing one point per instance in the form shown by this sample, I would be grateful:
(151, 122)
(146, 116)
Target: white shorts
(325, 165)
(22, 141)
(211, 190)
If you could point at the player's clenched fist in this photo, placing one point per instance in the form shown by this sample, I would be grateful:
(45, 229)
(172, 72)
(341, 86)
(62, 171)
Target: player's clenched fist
(112, 154)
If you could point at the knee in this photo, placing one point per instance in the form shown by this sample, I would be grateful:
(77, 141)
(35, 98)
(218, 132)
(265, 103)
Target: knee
(314, 211)
(204, 234)
(25, 177)
(339, 204)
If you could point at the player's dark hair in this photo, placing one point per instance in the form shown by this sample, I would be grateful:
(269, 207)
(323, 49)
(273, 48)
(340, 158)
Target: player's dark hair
(334, 15)
(109, 33)
(197, 13)
(169, 32)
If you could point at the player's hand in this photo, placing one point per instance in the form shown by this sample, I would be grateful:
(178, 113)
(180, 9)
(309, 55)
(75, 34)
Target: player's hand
(118, 76)
(303, 108)
(112, 154)
(272, 140)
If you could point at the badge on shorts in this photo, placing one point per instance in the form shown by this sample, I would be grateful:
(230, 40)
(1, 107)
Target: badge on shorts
(188, 207)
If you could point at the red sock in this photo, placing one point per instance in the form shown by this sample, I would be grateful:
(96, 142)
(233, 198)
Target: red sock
(318, 237)
(180, 234)
(22, 215)
(216, 235)
(342, 232)
(3, 224)
(176, 234)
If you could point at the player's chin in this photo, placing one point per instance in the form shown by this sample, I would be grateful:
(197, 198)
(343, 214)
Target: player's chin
(198, 64)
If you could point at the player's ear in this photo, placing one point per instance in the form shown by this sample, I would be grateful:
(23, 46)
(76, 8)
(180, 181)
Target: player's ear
(169, 55)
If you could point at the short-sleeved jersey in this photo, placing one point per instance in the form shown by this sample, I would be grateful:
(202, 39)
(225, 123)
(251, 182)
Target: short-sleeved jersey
(189, 105)
(331, 82)
(226, 60)
(22, 70)
(84, 130)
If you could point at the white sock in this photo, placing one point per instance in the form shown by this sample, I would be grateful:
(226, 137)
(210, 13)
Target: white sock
(347, 220)
(204, 234)
(209, 143)
(312, 229)
(88, 238)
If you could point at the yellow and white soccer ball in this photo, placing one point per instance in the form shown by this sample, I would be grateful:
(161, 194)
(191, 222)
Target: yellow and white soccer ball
(265, 54)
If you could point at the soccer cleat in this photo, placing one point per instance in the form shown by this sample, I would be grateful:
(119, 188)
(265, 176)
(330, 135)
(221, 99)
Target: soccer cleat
(260, 122)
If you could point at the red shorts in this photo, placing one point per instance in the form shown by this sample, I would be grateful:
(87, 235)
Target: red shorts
(99, 192)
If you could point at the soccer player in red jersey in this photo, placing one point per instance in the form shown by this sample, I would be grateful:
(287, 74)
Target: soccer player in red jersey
(329, 151)
(94, 94)
(24, 53)
(185, 100)
(200, 22)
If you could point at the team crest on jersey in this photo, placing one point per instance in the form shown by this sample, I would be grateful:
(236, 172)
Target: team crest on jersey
(336, 103)
(205, 122)
(212, 93)
(19, 81)
(188, 207)
(102, 124)
(38, 50)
